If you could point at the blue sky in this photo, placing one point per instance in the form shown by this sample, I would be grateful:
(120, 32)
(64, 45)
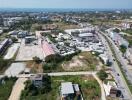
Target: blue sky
(65, 3)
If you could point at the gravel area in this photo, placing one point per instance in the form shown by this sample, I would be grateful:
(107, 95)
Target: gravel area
(15, 69)
(12, 50)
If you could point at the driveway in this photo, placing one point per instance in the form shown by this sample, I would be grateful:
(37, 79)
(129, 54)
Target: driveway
(17, 88)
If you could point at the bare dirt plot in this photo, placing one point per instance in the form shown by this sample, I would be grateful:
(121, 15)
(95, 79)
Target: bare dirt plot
(27, 52)
(84, 61)
(35, 68)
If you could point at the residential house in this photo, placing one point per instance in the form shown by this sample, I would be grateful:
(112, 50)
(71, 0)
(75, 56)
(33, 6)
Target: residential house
(69, 91)
(37, 80)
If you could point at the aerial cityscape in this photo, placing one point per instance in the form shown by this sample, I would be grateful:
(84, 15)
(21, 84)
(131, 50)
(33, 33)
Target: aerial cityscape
(65, 50)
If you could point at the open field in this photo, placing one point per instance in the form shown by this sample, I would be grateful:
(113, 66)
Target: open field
(88, 85)
(35, 68)
(83, 61)
(64, 26)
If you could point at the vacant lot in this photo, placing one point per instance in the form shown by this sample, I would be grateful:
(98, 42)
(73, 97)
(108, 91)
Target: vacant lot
(88, 85)
(64, 26)
(28, 52)
(35, 68)
(83, 61)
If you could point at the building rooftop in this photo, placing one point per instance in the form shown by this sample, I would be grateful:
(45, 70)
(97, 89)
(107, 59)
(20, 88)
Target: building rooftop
(67, 88)
(47, 49)
(37, 77)
(85, 34)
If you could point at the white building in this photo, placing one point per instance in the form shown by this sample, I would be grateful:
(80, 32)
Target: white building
(110, 89)
(86, 37)
(129, 55)
(105, 58)
(1, 31)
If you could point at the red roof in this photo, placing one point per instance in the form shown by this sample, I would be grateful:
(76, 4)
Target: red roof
(47, 49)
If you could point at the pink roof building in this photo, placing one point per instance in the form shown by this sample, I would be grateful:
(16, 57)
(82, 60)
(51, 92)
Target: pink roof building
(47, 49)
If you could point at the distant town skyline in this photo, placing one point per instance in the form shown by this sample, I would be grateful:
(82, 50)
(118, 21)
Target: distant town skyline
(90, 4)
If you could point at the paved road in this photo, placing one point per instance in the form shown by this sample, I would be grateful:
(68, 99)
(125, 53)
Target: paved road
(18, 87)
(122, 85)
(103, 97)
(61, 73)
(122, 60)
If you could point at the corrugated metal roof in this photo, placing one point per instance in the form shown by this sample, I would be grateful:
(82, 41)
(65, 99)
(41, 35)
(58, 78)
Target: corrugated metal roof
(47, 49)
(67, 88)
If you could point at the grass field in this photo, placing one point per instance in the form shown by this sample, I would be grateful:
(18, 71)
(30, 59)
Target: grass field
(6, 89)
(89, 87)
(63, 26)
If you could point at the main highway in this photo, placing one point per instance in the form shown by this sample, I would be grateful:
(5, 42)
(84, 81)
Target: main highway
(119, 78)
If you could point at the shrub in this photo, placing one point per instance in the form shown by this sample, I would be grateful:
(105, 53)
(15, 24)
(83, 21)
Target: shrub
(102, 75)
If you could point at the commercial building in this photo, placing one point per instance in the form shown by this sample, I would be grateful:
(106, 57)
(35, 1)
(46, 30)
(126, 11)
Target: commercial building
(86, 37)
(3, 45)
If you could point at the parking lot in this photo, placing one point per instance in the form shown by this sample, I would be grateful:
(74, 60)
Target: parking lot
(15, 69)
(27, 52)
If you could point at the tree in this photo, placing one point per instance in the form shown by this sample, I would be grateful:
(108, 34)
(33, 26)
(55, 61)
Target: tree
(14, 39)
(116, 30)
(4, 63)
(37, 59)
(102, 75)
(123, 48)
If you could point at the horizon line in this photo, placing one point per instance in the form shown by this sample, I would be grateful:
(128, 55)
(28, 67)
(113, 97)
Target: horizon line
(57, 8)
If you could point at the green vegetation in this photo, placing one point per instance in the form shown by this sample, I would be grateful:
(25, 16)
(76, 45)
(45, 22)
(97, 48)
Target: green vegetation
(88, 85)
(6, 88)
(4, 64)
(102, 75)
(32, 90)
(129, 39)
(129, 31)
(123, 49)
(14, 39)
(37, 59)
(116, 30)
(53, 63)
